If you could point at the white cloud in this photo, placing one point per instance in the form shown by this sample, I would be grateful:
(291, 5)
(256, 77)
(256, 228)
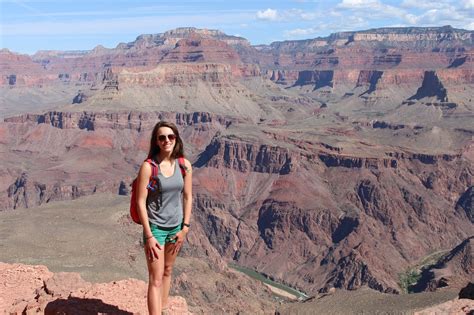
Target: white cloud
(427, 13)
(468, 4)
(268, 14)
(291, 15)
(424, 4)
(411, 19)
(373, 10)
(298, 14)
(441, 17)
(358, 3)
(441, 12)
(345, 23)
(299, 32)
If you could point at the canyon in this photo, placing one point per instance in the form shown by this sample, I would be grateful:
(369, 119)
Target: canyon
(337, 162)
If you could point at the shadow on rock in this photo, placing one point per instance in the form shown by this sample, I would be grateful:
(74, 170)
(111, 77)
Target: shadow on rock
(79, 306)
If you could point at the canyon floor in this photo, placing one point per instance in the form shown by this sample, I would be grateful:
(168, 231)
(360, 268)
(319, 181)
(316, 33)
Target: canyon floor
(93, 236)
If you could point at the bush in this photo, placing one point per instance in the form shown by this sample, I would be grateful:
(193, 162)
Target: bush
(409, 279)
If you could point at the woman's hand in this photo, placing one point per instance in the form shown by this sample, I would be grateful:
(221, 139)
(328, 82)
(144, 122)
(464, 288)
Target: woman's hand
(180, 237)
(152, 247)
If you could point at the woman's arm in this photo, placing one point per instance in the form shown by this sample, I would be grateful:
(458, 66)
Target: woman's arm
(187, 206)
(143, 180)
(187, 194)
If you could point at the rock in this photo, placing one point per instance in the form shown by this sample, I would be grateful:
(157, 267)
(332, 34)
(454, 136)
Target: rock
(453, 270)
(467, 292)
(124, 189)
(91, 131)
(454, 307)
(79, 98)
(431, 87)
(465, 203)
(245, 157)
(62, 284)
(35, 290)
(19, 284)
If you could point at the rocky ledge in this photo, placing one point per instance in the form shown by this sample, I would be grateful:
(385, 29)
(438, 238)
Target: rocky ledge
(28, 289)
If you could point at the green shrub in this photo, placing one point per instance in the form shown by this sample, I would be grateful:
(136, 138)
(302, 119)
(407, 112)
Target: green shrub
(409, 278)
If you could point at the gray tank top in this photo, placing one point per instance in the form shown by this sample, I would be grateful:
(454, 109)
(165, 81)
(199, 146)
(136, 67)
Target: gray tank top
(167, 211)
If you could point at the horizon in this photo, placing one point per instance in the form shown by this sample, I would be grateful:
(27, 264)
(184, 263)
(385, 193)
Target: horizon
(30, 26)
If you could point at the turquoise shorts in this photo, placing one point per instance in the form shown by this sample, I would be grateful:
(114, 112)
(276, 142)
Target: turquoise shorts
(163, 234)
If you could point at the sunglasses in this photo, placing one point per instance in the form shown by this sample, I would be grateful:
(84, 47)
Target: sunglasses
(171, 137)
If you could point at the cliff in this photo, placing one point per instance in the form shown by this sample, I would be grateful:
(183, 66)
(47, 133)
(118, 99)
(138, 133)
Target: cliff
(361, 218)
(453, 270)
(36, 290)
(72, 137)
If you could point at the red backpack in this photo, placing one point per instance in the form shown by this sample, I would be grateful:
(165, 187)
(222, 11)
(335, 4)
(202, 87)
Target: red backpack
(151, 183)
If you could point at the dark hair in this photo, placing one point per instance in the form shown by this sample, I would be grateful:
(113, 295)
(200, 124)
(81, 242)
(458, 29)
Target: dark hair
(178, 150)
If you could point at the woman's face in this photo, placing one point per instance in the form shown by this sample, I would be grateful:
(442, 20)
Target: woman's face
(166, 139)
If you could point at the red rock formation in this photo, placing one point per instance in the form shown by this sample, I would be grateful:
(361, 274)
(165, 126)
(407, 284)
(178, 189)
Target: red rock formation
(35, 290)
(92, 136)
(136, 62)
(117, 120)
(295, 233)
(245, 157)
(453, 307)
(455, 269)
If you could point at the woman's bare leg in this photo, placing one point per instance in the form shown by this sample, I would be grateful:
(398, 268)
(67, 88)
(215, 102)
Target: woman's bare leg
(170, 258)
(155, 283)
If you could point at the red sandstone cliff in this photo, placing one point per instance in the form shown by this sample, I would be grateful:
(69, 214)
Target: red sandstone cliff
(402, 50)
(325, 219)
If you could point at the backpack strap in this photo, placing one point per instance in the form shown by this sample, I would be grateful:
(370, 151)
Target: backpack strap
(182, 166)
(154, 170)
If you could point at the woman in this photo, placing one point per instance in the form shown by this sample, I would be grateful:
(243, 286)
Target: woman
(164, 210)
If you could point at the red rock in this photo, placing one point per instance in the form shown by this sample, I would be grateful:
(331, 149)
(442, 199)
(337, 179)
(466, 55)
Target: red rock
(62, 284)
(22, 292)
(454, 307)
(18, 285)
(95, 140)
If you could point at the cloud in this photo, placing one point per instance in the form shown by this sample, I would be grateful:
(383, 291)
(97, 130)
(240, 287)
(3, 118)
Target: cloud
(468, 4)
(322, 29)
(443, 17)
(358, 3)
(411, 19)
(268, 14)
(411, 12)
(304, 15)
(373, 10)
(439, 4)
(291, 15)
(425, 4)
(299, 32)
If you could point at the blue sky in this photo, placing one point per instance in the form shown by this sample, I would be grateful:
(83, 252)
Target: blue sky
(30, 25)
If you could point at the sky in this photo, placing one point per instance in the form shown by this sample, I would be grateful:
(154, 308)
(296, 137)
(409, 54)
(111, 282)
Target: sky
(27, 26)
